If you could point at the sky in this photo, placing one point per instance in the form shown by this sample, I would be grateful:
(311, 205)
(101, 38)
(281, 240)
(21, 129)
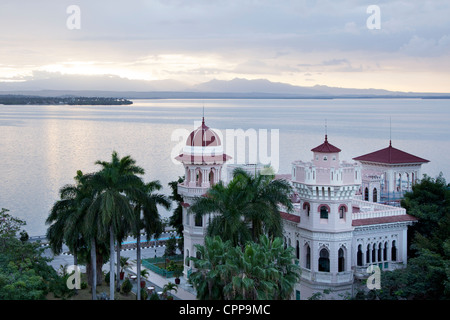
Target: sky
(300, 42)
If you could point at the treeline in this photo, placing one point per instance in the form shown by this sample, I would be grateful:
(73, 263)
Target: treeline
(37, 100)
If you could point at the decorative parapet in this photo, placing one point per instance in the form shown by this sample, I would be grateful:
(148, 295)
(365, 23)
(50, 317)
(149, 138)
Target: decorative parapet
(368, 210)
(191, 191)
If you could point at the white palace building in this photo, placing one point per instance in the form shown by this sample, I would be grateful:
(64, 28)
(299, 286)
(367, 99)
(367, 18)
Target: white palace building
(341, 223)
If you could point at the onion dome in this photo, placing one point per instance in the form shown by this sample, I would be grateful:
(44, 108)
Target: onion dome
(203, 146)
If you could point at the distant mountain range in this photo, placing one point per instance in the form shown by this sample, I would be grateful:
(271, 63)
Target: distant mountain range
(114, 86)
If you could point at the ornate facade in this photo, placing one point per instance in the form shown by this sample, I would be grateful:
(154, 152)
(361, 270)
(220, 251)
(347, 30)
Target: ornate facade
(337, 230)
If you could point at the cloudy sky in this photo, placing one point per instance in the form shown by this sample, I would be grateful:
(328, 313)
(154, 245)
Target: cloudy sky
(301, 42)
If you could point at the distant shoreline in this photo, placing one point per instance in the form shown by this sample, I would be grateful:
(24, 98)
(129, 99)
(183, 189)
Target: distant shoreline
(41, 100)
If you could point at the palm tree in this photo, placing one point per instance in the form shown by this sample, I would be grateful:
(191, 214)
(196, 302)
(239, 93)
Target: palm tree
(267, 194)
(229, 205)
(115, 184)
(211, 268)
(147, 217)
(263, 270)
(246, 208)
(168, 287)
(67, 225)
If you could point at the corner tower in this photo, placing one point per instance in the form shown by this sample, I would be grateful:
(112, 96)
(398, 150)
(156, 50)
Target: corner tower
(202, 158)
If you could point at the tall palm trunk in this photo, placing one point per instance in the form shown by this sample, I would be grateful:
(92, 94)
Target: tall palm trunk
(111, 263)
(75, 263)
(94, 269)
(138, 264)
(118, 266)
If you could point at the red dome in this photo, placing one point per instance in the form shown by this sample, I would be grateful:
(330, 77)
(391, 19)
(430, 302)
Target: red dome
(203, 136)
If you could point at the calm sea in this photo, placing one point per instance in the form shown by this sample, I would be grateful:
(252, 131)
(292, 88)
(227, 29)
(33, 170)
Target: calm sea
(42, 147)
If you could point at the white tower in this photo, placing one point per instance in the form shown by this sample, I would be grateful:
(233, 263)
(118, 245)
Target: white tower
(326, 187)
(203, 158)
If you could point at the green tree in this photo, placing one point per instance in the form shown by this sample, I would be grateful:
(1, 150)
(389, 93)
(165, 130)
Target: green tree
(210, 267)
(67, 224)
(266, 194)
(115, 184)
(429, 201)
(427, 275)
(176, 219)
(263, 270)
(246, 208)
(24, 272)
(147, 217)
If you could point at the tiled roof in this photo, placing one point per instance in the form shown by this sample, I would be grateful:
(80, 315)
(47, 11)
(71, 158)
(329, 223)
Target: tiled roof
(390, 155)
(326, 147)
(289, 217)
(381, 220)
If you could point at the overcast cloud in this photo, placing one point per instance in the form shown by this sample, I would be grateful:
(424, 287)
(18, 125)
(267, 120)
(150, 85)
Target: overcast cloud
(302, 42)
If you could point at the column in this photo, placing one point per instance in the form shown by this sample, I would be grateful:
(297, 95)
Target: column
(404, 247)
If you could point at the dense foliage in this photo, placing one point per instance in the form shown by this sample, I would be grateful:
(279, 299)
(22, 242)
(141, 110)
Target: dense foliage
(246, 208)
(24, 273)
(264, 270)
(427, 275)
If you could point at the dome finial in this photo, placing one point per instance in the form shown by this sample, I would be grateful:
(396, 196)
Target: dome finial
(203, 115)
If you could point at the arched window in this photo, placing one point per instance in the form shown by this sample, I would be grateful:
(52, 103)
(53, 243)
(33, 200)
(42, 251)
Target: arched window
(211, 178)
(393, 252)
(297, 250)
(380, 252)
(324, 260)
(308, 257)
(374, 249)
(359, 256)
(368, 254)
(198, 221)
(342, 211)
(199, 178)
(324, 212)
(366, 194)
(307, 208)
(375, 195)
(341, 260)
(385, 252)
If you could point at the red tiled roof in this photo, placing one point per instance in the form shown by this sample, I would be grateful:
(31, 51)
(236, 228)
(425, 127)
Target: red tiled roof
(326, 147)
(185, 205)
(290, 217)
(390, 155)
(381, 220)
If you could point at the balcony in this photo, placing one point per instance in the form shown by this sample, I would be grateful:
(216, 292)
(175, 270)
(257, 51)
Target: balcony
(327, 277)
(191, 191)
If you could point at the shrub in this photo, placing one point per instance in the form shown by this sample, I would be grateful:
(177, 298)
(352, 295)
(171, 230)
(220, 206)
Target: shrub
(144, 294)
(126, 286)
(154, 296)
